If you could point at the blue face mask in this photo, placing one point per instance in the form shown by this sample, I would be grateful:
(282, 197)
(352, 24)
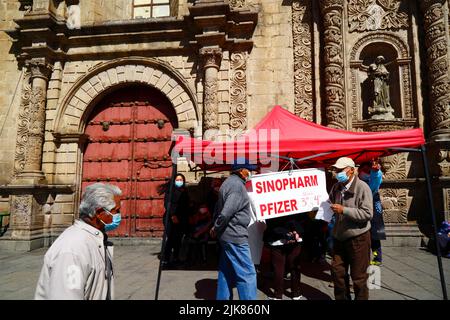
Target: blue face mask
(179, 184)
(115, 221)
(342, 177)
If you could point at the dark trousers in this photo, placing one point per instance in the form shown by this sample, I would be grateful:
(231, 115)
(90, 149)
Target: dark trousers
(353, 253)
(286, 257)
(174, 236)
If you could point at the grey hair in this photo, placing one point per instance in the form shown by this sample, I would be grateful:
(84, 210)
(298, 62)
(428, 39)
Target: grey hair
(98, 195)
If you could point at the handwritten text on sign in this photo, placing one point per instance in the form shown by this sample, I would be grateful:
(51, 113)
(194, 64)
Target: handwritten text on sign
(283, 193)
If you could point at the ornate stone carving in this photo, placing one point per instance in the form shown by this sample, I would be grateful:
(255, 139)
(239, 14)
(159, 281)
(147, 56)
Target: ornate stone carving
(365, 15)
(446, 192)
(394, 202)
(444, 162)
(21, 210)
(211, 63)
(210, 114)
(22, 127)
(211, 57)
(437, 58)
(332, 12)
(238, 91)
(303, 72)
(395, 166)
(39, 68)
(236, 4)
(407, 91)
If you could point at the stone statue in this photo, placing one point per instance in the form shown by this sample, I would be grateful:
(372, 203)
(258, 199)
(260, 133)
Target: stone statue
(73, 15)
(380, 108)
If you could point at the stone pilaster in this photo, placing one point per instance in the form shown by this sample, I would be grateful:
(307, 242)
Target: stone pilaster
(212, 57)
(438, 66)
(332, 17)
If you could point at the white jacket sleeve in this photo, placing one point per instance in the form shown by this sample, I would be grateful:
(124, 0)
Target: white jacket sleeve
(67, 277)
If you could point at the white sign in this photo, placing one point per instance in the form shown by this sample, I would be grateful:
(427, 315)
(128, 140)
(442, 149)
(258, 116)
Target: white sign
(289, 192)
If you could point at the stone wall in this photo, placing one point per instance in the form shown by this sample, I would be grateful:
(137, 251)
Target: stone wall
(270, 64)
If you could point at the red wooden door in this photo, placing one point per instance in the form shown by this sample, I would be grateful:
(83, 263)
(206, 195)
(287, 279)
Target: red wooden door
(129, 146)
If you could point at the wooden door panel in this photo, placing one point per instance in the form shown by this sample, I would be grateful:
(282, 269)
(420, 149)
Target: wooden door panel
(128, 149)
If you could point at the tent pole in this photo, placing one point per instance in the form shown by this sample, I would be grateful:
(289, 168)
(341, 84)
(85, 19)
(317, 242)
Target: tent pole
(166, 223)
(433, 215)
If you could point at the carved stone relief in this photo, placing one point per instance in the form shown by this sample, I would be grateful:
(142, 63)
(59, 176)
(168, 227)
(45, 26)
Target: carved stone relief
(22, 127)
(366, 15)
(394, 202)
(303, 76)
(21, 210)
(394, 166)
(236, 4)
(444, 162)
(238, 91)
(332, 13)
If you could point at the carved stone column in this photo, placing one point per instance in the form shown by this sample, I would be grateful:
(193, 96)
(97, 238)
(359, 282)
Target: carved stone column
(39, 74)
(332, 17)
(438, 66)
(212, 57)
(29, 190)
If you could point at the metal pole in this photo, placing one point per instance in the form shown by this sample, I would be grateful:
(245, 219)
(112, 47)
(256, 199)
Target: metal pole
(433, 215)
(166, 223)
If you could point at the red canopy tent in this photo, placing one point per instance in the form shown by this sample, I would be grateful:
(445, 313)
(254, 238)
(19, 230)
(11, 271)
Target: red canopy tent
(281, 134)
(284, 137)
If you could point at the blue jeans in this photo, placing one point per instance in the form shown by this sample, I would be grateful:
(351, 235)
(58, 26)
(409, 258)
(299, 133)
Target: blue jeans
(236, 269)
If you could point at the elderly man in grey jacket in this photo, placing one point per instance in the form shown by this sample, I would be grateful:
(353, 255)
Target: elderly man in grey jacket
(231, 219)
(78, 265)
(352, 205)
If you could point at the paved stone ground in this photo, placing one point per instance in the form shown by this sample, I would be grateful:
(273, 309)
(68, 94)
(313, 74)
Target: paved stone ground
(407, 274)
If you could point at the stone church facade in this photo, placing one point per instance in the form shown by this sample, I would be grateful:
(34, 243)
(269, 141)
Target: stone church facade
(83, 77)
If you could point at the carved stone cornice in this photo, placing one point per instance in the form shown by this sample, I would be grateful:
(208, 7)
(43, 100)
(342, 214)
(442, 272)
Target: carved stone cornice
(437, 59)
(70, 137)
(332, 13)
(211, 57)
(384, 125)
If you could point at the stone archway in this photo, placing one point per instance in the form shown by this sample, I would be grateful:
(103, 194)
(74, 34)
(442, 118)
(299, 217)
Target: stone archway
(78, 103)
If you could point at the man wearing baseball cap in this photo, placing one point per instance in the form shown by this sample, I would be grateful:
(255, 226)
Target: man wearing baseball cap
(352, 205)
(231, 219)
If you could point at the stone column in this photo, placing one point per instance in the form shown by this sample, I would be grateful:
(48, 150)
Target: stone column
(438, 66)
(32, 173)
(332, 17)
(212, 57)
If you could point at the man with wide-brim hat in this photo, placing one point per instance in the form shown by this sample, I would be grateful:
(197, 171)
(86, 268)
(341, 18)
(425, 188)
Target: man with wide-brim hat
(351, 202)
(231, 219)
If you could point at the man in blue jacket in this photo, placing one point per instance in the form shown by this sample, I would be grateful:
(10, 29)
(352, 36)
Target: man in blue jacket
(231, 219)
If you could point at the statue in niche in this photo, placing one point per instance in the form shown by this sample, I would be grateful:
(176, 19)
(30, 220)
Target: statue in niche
(380, 107)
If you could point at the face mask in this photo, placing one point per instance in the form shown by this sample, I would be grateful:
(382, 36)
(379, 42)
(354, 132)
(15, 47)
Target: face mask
(115, 221)
(342, 177)
(364, 176)
(179, 183)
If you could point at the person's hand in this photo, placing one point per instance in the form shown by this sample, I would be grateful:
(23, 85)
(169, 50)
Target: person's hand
(337, 208)
(212, 233)
(297, 236)
(175, 219)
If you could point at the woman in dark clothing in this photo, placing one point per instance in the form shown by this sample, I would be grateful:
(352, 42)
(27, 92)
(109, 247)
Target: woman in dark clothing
(177, 221)
(282, 236)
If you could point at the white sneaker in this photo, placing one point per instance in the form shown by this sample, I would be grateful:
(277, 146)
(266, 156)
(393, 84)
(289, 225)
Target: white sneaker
(300, 297)
(273, 298)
